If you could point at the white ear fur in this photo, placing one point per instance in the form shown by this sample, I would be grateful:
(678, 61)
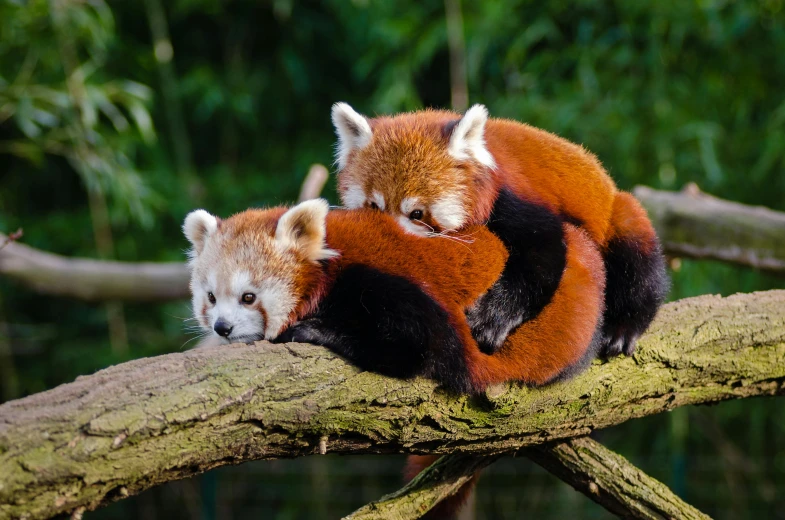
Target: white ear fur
(304, 228)
(353, 132)
(468, 137)
(198, 226)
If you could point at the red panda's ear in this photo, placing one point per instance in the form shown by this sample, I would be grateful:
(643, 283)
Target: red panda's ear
(467, 140)
(303, 228)
(353, 132)
(198, 227)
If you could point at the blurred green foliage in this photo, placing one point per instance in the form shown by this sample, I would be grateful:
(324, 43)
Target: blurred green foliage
(149, 109)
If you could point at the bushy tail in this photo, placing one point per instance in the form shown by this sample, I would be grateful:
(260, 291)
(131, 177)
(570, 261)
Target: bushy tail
(637, 278)
(448, 508)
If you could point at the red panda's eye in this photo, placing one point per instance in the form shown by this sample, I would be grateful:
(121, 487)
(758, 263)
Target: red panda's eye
(374, 205)
(248, 298)
(211, 298)
(416, 215)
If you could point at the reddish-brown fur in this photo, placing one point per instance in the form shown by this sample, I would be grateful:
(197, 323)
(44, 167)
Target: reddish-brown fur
(540, 349)
(408, 156)
(454, 274)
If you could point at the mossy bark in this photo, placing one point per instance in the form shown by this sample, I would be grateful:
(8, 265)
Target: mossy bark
(611, 481)
(597, 472)
(132, 426)
(693, 224)
(437, 482)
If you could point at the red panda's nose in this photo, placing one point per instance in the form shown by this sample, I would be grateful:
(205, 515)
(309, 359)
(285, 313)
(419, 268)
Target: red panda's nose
(222, 328)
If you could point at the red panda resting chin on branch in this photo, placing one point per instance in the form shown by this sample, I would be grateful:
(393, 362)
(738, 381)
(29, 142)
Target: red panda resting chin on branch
(388, 301)
(393, 302)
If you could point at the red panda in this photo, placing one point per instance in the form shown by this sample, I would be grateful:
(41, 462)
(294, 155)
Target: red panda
(388, 301)
(437, 172)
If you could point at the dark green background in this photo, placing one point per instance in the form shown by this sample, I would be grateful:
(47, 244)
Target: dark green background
(664, 92)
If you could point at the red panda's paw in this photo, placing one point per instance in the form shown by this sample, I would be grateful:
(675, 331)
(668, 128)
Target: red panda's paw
(491, 321)
(618, 342)
(307, 331)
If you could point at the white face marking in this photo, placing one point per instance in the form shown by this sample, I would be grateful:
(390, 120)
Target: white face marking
(378, 198)
(354, 197)
(246, 321)
(216, 272)
(241, 282)
(410, 204)
(412, 227)
(278, 301)
(449, 212)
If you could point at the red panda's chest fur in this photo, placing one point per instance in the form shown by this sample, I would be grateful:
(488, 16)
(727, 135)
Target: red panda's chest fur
(453, 273)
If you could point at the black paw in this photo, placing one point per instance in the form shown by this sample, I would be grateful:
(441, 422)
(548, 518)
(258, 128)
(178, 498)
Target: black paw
(490, 329)
(302, 332)
(617, 342)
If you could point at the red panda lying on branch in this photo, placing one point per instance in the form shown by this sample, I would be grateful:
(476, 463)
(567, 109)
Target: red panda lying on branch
(388, 301)
(437, 172)
(392, 302)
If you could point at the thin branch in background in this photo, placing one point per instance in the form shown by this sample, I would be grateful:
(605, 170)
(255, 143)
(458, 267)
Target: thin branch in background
(459, 89)
(314, 182)
(12, 237)
(693, 224)
(96, 280)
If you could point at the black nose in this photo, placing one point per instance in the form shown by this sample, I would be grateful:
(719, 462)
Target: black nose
(222, 328)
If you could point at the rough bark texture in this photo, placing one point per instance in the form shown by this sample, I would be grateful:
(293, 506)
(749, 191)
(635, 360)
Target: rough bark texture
(440, 480)
(142, 423)
(693, 224)
(611, 481)
(93, 280)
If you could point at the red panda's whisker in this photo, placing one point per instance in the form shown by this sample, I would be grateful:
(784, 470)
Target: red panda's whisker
(448, 237)
(201, 336)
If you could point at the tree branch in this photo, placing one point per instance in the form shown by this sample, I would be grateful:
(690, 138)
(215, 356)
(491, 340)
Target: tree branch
(611, 481)
(93, 280)
(148, 421)
(432, 485)
(693, 224)
(597, 472)
(314, 182)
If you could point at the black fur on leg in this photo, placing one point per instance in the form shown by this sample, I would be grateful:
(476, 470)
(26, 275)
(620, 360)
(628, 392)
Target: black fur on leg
(534, 239)
(637, 284)
(386, 324)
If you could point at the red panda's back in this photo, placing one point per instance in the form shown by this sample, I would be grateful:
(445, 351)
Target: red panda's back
(541, 166)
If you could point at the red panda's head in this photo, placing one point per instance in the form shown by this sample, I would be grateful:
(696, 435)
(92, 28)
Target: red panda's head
(250, 272)
(424, 168)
